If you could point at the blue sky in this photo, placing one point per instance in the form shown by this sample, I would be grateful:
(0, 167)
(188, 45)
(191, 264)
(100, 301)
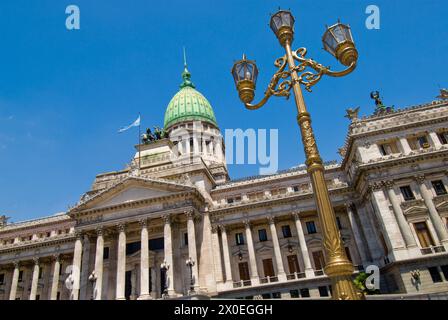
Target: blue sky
(64, 94)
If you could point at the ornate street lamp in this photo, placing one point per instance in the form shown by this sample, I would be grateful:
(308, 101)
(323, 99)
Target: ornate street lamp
(190, 264)
(92, 280)
(338, 41)
(164, 268)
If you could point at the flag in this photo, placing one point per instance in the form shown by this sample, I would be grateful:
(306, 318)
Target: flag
(136, 123)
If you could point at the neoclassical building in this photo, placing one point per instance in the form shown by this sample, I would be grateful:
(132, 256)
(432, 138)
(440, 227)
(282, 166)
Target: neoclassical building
(173, 221)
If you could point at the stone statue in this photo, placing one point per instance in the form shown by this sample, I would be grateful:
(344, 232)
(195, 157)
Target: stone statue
(380, 107)
(443, 94)
(158, 134)
(352, 114)
(3, 221)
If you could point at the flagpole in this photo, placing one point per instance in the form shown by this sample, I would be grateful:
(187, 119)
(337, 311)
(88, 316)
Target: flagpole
(138, 145)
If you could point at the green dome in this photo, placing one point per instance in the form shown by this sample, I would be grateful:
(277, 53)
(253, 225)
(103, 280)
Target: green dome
(188, 105)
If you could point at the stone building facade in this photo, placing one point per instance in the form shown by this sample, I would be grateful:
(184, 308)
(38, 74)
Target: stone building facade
(132, 234)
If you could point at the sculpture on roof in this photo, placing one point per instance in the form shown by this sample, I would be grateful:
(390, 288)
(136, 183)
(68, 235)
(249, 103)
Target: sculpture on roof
(352, 114)
(443, 94)
(158, 134)
(3, 221)
(380, 107)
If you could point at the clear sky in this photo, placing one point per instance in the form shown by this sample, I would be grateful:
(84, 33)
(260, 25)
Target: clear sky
(64, 94)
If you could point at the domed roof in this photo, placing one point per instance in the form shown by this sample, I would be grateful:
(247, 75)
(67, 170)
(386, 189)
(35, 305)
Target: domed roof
(188, 105)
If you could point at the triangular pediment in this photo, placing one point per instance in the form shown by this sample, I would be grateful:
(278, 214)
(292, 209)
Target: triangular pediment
(130, 190)
(415, 210)
(443, 206)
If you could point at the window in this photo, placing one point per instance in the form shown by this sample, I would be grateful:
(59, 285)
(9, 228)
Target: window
(407, 193)
(276, 295)
(445, 271)
(294, 293)
(443, 137)
(133, 247)
(293, 264)
(338, 222)
(239, 239)
(311, 227)
(185, 239)
(156, 244)
(286, 230)
(435, 274)
(347, 252)
(296, 189)
(439, 187)
(48, 234)
(243, 268)
(2, 278)
(262, 235)
(319, 260)
(424, 237)
(423, 142)
(106, 253)
(305, 293)
(388, 148)
(230, 200)
(268, 268)
(323, 291)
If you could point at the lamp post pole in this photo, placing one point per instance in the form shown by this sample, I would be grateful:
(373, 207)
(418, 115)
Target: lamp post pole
(245, 72)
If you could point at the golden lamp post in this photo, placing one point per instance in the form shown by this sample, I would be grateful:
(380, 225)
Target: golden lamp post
(338, 41)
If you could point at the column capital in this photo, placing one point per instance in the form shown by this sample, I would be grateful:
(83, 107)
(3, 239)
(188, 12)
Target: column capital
(389, 184)
(16, 263)
(121, 227)
(189, 213)
(375, 186)
(78, 234)
(420, 178)
(247, 223)
(36, 260)
(296, 215)
(271, 219)
(57, 257)
(167, 218)
(143, 223)
(99, 231)
(214, 228)
(349, 205)
(223, 228)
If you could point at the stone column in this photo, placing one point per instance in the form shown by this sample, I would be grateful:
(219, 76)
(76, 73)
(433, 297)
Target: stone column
(303, 247)
(121, 263)
(226, 254)
(55, 279)
(441, 232)
(366, 222)
(144, 261)
(14, 281)
(76, 269)
(216, 254)
(168, 250)
(252, 258)
(192, 246)
(399, 216)
(99, 259)
(435, 140)
(35, 279)
(85, 269)
(356, 233)
(277, 250)
(404, 144)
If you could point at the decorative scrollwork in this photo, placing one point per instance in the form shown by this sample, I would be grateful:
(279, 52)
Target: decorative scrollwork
(280, 85)
(308, 78)
(281, 82)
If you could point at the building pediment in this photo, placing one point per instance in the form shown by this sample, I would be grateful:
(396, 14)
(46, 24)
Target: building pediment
(131, 189)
